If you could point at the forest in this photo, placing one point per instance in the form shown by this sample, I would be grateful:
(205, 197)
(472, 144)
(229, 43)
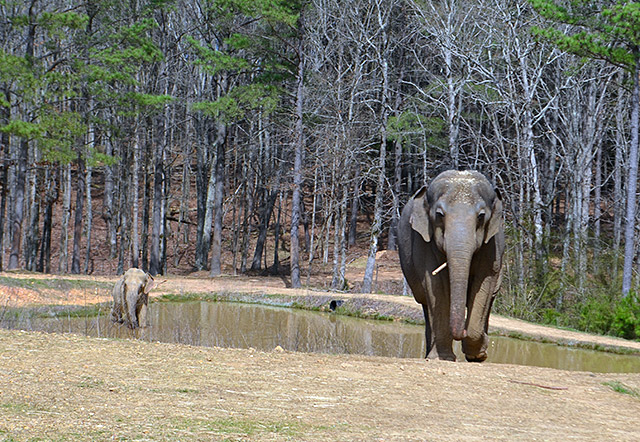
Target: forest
(280, 133)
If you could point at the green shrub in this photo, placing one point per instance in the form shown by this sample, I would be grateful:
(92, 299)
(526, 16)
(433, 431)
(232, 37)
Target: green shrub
(595, 315)
(553, 317)
(626, 319)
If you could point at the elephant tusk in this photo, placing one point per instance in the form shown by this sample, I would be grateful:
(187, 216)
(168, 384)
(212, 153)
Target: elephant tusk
(436, 271)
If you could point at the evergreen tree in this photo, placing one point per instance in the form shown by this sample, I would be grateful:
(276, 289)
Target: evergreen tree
(609, 31)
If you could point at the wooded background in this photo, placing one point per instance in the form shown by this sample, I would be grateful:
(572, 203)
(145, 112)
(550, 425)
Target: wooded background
(226, 125)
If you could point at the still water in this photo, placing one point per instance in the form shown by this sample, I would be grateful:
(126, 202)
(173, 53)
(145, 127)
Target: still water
(264, 328)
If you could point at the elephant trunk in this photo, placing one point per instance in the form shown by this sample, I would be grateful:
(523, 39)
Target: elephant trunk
(458, 262)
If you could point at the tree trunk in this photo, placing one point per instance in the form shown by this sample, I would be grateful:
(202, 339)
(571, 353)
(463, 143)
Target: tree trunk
(376, 228)
(250, 189)
(184, 224)
(355, 202)
(532, 163)
(5, 155)
(50, 196)
(77, 226)
(146, 206)
(88, 266)
(208, 217)
(63, 263)
(155, 262)
(216, 249)
(453, 116)
(296, 199)
(392, 244)
(314, 209)
(17, 212)
(4, 172)
(632, 182)
(275, 268)
(165, 231)
(32, 237)
(267, 209)
(108, 209)
(124, 215)
(135, 190)
(597, 210)
(618, 198)
(203, 186)
(340, 249)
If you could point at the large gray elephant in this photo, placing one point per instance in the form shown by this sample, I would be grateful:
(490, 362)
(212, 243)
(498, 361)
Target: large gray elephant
(451, 241)
(130, 295)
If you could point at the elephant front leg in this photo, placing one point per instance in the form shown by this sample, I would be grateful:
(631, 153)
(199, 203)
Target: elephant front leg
(438, 336)
(476, 351)
(476, 343)
(116, 313)
(141, 314)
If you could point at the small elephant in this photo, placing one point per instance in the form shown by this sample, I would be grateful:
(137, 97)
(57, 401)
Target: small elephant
(451, 242)
(130, 294)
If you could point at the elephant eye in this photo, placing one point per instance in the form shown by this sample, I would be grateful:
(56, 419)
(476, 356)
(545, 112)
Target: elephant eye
(439, 213)
(481, 216)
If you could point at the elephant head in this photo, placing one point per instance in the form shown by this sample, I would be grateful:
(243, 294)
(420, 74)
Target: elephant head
(130, 294)
(460, 213)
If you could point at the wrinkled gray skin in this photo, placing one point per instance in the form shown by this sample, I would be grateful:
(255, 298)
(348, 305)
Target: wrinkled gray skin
(130, 295)
(457, 219)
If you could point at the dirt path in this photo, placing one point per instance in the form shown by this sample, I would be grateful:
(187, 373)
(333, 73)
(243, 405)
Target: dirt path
(67, 387)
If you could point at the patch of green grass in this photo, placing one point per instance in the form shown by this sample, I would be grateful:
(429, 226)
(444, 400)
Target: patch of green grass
(20, 407)
(302, 306)
(241, 427)
(15, 407)
(90, 382)
(186, 297)
(90, 311)
(56, 311)
(347, 310)
(187, 390)
(619, 387)
(53, 283)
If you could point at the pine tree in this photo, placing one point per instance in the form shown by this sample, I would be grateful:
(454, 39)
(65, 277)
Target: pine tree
(609, 31)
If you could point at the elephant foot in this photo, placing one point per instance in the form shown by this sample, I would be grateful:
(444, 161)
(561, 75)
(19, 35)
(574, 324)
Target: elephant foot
(441, 356)
(479, 358)
(475, 350)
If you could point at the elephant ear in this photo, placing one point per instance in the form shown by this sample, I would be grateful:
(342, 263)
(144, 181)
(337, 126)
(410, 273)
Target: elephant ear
(495, 222)
(150, 285)
(419, 217)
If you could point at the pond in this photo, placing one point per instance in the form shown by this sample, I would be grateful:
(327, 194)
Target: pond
(223, 324)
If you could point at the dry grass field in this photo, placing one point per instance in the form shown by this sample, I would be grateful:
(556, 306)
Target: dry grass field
(75, 388)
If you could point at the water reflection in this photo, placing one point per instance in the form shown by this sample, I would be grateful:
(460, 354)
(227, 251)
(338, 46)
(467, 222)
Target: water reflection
(264, 328)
